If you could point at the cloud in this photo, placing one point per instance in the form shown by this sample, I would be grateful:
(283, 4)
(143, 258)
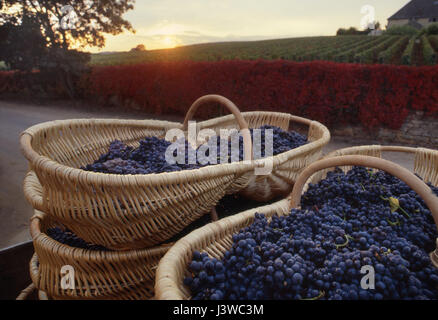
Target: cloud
(165, 34)
(163, 40)
(196, 21)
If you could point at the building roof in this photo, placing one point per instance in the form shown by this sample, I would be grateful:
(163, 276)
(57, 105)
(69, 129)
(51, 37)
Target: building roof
(417, 9)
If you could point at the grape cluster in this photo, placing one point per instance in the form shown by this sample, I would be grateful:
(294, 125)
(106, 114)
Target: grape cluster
(67, 237)
(149, 157)
(283, 141)
(348, 221)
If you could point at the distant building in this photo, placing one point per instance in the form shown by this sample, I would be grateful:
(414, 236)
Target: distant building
(417, 13)
(376, 32)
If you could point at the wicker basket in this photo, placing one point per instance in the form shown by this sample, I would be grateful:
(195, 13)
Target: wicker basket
(136, 211)
(216, 238)
(97, 274)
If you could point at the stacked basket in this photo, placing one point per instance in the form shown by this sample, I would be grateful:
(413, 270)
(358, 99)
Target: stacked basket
(133, 214)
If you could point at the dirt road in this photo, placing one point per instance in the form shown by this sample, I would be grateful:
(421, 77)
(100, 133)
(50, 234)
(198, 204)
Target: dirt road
(16, 117)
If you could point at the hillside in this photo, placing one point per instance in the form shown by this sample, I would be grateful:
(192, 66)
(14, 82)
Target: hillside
(361, 49)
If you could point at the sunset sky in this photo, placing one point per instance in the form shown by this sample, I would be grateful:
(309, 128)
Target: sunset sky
(170, 23)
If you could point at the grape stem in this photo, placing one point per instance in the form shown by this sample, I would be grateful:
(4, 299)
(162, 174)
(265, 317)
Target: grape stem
(395, 205)
(393, 223)
(321, 295)
(347, 238)
(404, 212)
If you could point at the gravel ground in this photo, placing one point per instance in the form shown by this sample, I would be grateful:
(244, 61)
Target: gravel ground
(16, 117)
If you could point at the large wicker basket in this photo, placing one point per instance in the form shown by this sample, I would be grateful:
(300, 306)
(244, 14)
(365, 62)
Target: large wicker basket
(136, 211)
(216, 238)
(97, 274)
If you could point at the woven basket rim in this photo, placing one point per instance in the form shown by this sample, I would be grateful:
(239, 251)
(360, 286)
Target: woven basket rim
(382, 148)
(170, 177)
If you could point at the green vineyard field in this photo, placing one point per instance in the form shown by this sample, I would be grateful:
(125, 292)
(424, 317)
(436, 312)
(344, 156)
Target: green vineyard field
(388, 49)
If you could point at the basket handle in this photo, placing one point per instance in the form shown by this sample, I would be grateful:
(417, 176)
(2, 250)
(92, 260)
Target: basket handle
(35, 270)
(34, 227)
(33, 191)
(392, 168)
(243, 125)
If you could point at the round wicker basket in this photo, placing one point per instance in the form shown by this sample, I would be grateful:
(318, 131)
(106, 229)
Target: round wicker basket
(216, 238)
(136, 211)
(97, 274)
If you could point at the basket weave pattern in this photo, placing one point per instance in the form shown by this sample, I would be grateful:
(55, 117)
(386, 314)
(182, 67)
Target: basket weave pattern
(97, 274)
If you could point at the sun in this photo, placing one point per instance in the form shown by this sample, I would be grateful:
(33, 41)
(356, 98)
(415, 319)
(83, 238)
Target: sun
(169, 42)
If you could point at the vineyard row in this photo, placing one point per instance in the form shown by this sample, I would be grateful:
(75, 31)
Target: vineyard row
(387, 49)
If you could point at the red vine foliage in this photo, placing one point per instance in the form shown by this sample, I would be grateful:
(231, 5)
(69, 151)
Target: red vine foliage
(332, 93)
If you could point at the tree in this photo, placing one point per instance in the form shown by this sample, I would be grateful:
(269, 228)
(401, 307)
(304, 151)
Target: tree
(139, 47)
(353, 31)
(45, 34)
(432, 29)
(68, 23)
(349, 32)
(377, 26)
(22, 46)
